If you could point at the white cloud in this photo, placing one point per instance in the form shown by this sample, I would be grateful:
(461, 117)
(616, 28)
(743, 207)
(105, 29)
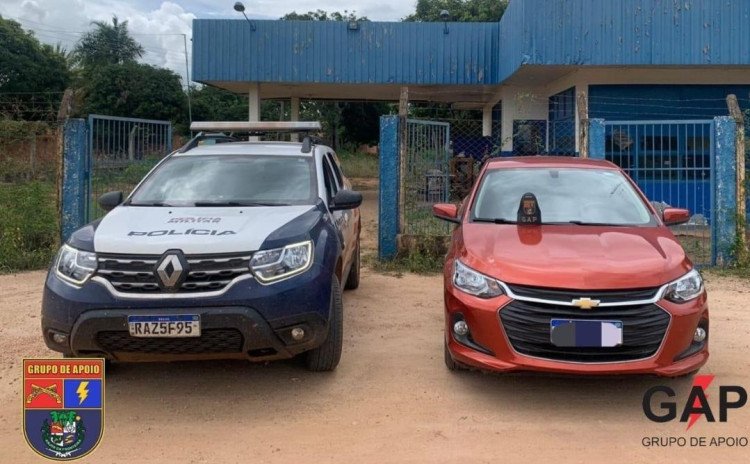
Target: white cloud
(158, 25)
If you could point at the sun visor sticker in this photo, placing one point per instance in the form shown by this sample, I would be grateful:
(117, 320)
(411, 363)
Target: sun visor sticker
(528, 211)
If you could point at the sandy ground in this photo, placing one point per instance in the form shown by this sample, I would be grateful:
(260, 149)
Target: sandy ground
(390, 400)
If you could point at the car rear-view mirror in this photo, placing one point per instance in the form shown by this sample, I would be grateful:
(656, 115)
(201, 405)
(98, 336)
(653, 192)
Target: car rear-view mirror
(446, 212)
(346, 199)
(675, 216)
(110, 200)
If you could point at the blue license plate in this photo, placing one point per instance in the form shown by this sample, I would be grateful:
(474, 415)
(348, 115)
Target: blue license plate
(577, 333)
(177, 326)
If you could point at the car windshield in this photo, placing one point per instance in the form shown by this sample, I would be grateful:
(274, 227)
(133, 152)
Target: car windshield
(564, 196)
(229, 180)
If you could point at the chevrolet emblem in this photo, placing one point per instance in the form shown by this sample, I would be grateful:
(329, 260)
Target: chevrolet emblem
(585, 303)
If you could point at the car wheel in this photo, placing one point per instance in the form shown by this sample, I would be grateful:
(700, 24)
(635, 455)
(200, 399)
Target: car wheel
(352, 281)
(450, 363)
(327, 356)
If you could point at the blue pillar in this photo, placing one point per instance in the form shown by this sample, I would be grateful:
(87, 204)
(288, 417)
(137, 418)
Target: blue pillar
(389, 188)
(724, 217)
(596, 139)
(74, 191)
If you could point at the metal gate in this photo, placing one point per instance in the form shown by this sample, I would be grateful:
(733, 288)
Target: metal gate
(120, 152)
(673, 163)
(425, 177)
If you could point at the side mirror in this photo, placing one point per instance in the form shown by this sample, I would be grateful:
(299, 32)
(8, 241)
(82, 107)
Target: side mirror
(110, 200)
(346, 199)
(446, 212)
(675, 216)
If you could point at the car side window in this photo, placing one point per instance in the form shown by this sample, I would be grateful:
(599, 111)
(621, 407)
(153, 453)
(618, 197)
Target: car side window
(330, 180)
(336, 170)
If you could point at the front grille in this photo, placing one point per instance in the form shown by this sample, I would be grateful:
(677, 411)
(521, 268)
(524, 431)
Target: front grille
(206, 273)
(528, 328)
(605, 296)
(210, 341)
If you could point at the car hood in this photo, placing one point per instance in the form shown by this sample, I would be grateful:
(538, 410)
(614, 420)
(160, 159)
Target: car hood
(154, 230)
(575, 257)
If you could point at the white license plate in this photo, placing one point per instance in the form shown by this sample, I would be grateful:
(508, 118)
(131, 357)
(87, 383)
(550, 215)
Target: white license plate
(188, 325)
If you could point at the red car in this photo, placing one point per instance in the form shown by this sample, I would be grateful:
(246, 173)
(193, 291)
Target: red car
(562, 265)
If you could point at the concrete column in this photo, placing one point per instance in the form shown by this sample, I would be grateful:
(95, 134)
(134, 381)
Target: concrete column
(584, 88)
(487, 120)
(295, 116)
(253, 95)
(507, 117)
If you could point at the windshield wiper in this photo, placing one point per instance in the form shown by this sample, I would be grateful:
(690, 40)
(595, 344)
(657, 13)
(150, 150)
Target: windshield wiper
(495, 221)
(584, 223)
(235, 203)
(149, 203)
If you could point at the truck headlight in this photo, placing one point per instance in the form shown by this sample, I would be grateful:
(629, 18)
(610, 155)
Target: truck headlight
(280, 263)
(472, 282)
(75, 266)
(685, 288)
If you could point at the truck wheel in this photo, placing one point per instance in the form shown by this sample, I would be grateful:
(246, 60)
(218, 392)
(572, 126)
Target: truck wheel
(327, 356)
(352, 281)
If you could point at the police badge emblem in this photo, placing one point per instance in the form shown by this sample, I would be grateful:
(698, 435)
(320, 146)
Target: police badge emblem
(63, 404)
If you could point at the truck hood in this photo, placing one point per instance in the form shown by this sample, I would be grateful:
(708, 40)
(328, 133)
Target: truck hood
(575, 257)
(154, 230)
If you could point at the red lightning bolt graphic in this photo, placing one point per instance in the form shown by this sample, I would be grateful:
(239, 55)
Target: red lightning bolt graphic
(702, 381)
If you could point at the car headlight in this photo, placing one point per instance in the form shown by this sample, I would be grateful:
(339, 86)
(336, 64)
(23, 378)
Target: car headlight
(75, 266)
(280, 263)
(472, 282)
(685, 288)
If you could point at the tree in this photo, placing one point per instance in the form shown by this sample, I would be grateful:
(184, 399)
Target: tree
(107, 44)
(459, 10)
(134, 90)
(214, 104)
(320, 15)
(32, 74)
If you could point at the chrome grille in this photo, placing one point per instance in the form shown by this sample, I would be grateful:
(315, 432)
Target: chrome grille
(206, 273)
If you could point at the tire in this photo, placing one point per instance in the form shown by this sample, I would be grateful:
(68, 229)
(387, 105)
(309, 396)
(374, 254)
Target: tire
(450, 363)
(352, 280)
(327, 356)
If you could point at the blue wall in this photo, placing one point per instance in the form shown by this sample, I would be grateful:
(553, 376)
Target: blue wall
(654, 102)
(328, 52)
(624, 32)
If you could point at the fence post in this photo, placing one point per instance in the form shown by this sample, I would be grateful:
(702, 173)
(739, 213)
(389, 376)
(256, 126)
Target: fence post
(724, 228)
(596, 138)
(741, 251)
(73, 197)
(583, 117)
(390, 179)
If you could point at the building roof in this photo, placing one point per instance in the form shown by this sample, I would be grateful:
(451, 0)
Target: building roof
(558, 34)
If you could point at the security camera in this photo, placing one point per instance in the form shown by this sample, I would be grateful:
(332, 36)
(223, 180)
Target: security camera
(445, 15)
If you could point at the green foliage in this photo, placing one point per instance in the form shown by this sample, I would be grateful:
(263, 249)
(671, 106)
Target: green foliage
(320, 15)
(134, 90)
(460, 10)
(107, 44)
(426, 258)
(214, 104)
(28, 225)
(27, 68)
(359, 165)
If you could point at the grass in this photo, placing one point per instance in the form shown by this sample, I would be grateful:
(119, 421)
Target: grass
(28, 225)
(359, 165)
(412, 261)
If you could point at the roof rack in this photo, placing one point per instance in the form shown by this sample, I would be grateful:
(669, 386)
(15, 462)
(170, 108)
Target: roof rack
(256, 128)
(202, 137)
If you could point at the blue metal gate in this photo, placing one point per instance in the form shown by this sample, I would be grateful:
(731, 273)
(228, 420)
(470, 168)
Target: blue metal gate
(673, 163)
(120, 152)
(425, 178)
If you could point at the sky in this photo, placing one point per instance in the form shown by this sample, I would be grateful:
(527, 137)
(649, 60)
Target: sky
(159, 25)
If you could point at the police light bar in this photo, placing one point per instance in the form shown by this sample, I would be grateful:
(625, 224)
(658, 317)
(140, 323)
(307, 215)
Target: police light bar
(259, 127)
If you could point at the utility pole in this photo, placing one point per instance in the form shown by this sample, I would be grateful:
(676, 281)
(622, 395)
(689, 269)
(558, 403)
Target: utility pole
(187, 79)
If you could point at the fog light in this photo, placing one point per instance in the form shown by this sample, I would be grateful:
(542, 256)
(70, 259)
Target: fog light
(298, 333)
(460, 328)
(59, 338)
(700, 335)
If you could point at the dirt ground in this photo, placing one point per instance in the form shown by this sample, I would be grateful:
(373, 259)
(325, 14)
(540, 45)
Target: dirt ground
(390, 400)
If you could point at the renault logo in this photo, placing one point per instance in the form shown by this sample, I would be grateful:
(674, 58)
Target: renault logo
(171, 270)
(585, 303)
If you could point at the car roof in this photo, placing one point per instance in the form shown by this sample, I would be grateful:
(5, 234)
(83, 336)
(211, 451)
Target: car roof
(549, 162)
(250, 148)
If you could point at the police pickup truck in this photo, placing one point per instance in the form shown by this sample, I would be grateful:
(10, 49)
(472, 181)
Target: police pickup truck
(226, 249)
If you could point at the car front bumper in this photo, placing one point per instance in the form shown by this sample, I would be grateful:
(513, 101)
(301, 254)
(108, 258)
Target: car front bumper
(249, 320)
(489, 347)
